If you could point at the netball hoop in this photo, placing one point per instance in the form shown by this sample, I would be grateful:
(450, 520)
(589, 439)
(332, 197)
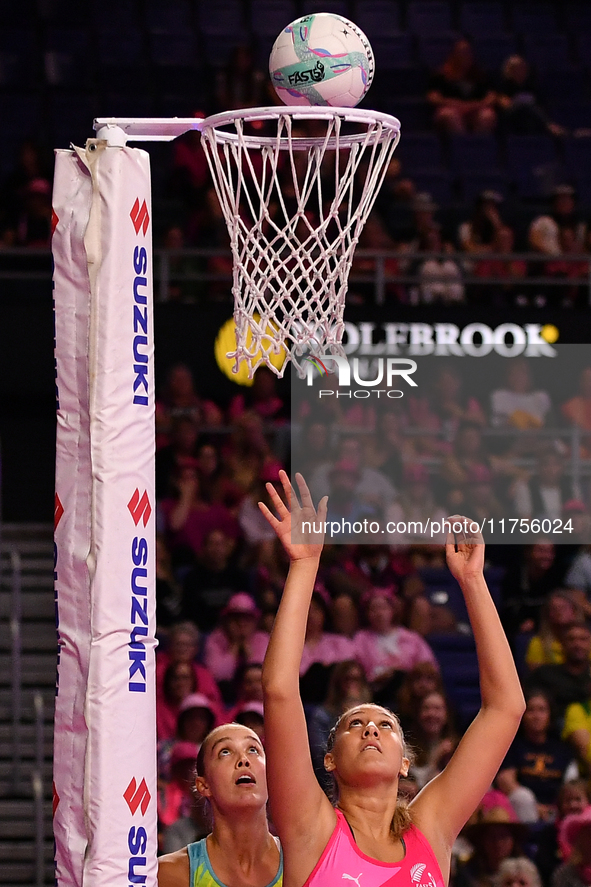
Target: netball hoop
(296, 185)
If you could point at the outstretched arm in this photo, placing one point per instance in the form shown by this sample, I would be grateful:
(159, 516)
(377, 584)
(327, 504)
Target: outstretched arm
(445, 804)
(300, 810)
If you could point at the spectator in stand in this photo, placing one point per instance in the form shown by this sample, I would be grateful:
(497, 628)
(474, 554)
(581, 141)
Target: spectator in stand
(394, 199)
(373, 488)
(214, 485)
(545, 493)
(559, 610)
(313, 443)
(536, 764)
(576, 871)
(388, 449)
(477, 234)
(572, 798)
(577, 272)
(386, 649)
(182, 648)
(194, 824)
(261, 398)
(544, 231)
(480, 499)
(381, 566)
(347, 686)
(578, 579)
(235, 642)
(248, 687)
(32, 163)
(550, 233)
(433, 737)
(496, 835)
(252, 715)
(460, 94)
(577, 731)
(469, 453)
(246, 452)
(197, 715)
(423, 219)
(414, 508)
(33, 222)
(169, 595)
(213, 580)
(439, 278)
(179, 398)
(175, 796)
(181, 285)
(374, 236)
(344, 614)
(519, 405)
(577, 410)
(567, 682)
(445, 409)
(417, 683)
(255, 528)
(323, 646)
(512, 272)
(574, 801)
(188, 518)
(178, 453)
(346, 504)
(179, 682)
(518, 871)
(527, 583)
(519, 103)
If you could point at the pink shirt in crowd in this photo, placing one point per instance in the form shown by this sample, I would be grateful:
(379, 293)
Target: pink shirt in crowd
(329, 649)
(166, 713)
(399, 649)
(220, 659)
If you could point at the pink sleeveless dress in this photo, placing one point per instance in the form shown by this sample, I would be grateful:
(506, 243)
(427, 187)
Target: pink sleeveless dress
(342, 862)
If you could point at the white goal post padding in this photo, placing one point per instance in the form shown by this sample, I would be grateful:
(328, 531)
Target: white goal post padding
(105, 734)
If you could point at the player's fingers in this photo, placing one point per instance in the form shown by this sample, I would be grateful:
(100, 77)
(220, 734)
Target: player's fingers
(304, 491)
(287, 487)
(269, 516)
(323, 509)
(276, 499)
(465, 530)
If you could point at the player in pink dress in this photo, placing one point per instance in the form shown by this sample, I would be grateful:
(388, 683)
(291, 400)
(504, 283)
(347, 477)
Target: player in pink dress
(372, 837)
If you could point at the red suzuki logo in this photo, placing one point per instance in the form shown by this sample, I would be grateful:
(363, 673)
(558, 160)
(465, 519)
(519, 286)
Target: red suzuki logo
(58, 510)
(140, 507)
(54, 221)
(139, 216)
(56, 798)
(137, 796)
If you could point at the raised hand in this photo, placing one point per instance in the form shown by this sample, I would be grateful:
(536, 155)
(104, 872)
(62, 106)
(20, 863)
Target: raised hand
(299, 527)
(464, 549)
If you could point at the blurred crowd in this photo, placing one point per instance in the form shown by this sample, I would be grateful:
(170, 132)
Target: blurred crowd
(378, 612)
(406, 220)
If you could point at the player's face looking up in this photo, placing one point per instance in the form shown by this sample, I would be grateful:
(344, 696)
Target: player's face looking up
(233, 768)
(368, 745)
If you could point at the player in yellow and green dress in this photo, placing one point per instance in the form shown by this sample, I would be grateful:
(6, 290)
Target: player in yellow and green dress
(231, 776)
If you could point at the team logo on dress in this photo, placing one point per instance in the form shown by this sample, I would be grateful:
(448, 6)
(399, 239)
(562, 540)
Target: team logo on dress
(416, 876)
(351, 878)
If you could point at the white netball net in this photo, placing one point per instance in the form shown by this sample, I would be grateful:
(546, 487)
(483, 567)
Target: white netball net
(295, 201)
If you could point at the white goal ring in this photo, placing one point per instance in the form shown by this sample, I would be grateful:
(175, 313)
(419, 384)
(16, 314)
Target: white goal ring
(389, 124)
